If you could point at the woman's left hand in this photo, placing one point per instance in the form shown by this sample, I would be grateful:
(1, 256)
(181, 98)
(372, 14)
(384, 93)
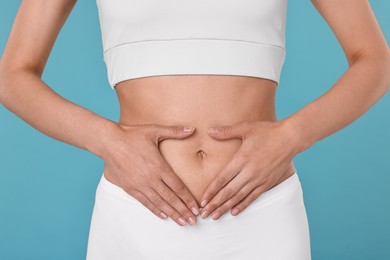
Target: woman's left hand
(264, 156)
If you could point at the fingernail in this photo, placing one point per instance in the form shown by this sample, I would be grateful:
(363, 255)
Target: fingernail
(192, 221)
(204, 202)
(188, 129)
(234, 212)
(182, 221)
(212, 130)
(204, 214)
(195, 211)
(162, 214)
(215, 215)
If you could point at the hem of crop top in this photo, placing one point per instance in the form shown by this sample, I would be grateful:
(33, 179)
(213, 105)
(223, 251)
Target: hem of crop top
(193, 56)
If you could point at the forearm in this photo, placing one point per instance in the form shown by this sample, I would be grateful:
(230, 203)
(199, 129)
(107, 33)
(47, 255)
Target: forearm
(359, 88)
(26, 95)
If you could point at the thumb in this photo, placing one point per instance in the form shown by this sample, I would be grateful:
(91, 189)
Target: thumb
(226, 132)
(173, 132)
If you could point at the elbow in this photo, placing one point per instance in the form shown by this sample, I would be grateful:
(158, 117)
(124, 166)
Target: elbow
(386, 69)
(380, 63)
(2, 83)
(13, 79)
(7, 76)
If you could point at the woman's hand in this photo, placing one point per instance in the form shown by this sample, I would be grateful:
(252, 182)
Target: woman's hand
(136, 165)
(265, 153)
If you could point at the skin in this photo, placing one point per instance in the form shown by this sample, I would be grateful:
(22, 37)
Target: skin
(205, 101)
(172, 171)
(359, 88)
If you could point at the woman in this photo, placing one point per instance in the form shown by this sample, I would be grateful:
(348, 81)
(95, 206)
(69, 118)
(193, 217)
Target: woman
(180, 64)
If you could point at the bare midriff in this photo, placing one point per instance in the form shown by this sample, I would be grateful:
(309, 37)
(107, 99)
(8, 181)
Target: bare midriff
(201, 101)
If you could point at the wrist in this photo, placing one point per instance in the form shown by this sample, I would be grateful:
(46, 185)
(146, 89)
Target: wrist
(294, 130)
(106, 139)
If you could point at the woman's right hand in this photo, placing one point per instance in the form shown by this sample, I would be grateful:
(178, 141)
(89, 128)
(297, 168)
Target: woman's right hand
(135, 164)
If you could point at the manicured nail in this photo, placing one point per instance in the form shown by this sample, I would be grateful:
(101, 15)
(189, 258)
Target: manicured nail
(192, 221)
(162, 214)
(212, 130)
(234, 212)
(204, 214)
(195, 211)
(182, 221)
(188, 129)
(215, 215)
(204, 202)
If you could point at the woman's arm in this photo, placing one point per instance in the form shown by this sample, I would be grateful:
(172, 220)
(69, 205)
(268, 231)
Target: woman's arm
(360, 87)
(22, 91)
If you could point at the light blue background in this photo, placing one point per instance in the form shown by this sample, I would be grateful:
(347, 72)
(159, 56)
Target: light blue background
(47, 187)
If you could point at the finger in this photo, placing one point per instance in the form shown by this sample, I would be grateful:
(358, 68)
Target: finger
(172, 199)
(239, 196)
(163, 205)
(161, 132)
(180, 189)
(226, 175)
(147, 203)
(226, 193)
(248, 199)
(229, 131)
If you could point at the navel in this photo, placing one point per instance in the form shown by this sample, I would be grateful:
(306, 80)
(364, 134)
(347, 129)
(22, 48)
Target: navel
(202, 154)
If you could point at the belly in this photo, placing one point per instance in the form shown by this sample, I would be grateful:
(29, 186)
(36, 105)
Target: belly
(202, 101)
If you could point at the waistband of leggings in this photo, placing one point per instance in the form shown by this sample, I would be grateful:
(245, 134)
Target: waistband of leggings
(114, 189)
(291, 183)
(288, 184)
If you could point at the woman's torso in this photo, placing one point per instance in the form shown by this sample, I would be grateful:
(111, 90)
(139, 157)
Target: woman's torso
(202, 101)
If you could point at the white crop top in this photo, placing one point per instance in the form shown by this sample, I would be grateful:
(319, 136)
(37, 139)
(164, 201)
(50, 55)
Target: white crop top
(161, 37)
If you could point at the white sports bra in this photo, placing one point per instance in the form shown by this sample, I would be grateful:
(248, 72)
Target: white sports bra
(231, 37)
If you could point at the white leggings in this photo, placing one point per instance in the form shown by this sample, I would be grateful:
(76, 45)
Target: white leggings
(273, 227)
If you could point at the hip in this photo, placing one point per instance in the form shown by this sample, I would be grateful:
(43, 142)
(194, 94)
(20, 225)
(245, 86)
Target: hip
(274, 226)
